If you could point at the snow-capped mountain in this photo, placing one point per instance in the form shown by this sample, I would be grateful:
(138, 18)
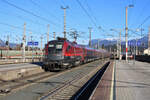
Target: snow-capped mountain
(141, 42)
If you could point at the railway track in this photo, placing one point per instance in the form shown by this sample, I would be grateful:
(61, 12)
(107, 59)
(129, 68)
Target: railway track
(86, 91)
(67, 83)
(12, 85)
(62, 84)
(69, 89)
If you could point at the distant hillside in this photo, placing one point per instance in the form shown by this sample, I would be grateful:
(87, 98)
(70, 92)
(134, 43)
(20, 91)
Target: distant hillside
(105, 42)
(142, 42)
(2, 44)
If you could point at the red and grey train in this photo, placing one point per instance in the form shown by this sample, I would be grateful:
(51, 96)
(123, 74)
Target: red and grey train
(62, 54)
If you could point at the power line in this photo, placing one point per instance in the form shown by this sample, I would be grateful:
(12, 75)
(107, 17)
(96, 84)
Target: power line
(140, 25)
(17, 27)
(91, 11)
(29, 12)
(134, 32)
(90, 17)
(142, 11)
(87, 13)
(22, 17)
(146, 19)
(36, 4)
(63, 2)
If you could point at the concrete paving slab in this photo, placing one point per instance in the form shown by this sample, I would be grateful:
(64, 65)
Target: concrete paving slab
(14, 71)
(131, 81)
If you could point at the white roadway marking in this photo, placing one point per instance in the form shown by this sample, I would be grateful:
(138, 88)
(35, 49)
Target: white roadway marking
(112, 84)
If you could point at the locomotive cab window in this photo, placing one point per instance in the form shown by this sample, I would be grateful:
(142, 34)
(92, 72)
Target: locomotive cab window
(51, 45)
(59, 46)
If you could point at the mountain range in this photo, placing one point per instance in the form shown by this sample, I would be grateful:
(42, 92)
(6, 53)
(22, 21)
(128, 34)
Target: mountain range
(3, 44)
(141, 42)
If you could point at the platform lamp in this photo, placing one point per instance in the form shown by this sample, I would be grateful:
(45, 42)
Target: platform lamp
(126, 28)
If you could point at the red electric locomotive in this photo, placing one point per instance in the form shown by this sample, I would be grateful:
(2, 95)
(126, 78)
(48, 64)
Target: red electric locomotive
(61, 54)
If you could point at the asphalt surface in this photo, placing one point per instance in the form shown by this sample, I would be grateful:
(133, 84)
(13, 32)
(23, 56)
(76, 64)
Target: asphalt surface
(8, 67)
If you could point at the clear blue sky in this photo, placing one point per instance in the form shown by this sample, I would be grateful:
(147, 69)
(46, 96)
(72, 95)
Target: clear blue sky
(105, 13)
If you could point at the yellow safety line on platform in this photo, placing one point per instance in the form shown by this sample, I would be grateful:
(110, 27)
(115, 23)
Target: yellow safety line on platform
(112, 85)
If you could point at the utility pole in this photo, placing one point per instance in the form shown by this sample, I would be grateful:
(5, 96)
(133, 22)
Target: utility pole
(75, 35)
(117, 48)
(29, 41)
(110, 48)
(149, 42)
(90, 29)
(141, 41)
(98, 43)
(64, 8)
(24, 42)
(120, 45)
(28, 45)
(41, 42)
(54, 35)
(32, 47)
(32, 44)
(136, 47)
(126, 33)
(47, 33)
(8, 46)
(41, 46)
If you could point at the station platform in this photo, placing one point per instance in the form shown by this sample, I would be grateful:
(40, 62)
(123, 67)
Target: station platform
(14, 71)
(127, 81)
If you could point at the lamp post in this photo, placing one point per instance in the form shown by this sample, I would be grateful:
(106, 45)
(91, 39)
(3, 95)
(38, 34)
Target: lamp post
(126, 29)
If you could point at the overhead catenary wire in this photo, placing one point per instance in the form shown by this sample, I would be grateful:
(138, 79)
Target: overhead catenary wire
(21, 17)
(63, 2)
(91, 12)
(90, 17)
(45, 10)
(17, 27)
(29, 12)
(146, 19)
(142, 11)
(140, 25)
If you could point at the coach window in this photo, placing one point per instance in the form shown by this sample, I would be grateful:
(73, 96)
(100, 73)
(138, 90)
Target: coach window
(68, 48)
